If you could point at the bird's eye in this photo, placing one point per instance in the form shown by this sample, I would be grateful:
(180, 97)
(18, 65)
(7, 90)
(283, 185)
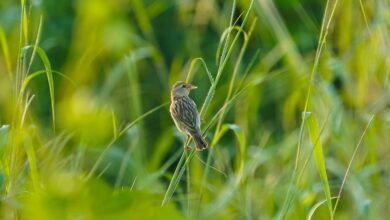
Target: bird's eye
(183, 86)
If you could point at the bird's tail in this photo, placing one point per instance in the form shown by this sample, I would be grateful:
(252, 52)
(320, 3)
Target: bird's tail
(201, 144)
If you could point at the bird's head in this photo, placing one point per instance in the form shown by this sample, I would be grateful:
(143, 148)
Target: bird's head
(181, 88)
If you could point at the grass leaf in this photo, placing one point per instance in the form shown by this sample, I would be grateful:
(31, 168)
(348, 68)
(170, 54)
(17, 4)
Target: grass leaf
(314, 133)
(49, 74)
(4, 46)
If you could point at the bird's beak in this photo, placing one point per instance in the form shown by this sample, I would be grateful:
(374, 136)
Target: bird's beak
(190, 86)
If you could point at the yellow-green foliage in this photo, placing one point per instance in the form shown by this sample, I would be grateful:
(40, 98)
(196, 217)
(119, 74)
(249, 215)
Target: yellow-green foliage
(293, 98)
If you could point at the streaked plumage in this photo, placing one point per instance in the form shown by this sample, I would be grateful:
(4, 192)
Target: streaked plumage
(185, 114)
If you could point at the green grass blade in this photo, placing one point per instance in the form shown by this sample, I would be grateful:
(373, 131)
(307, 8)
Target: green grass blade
(32, 76)
(316, 206)
(123, 131)
(314, 133)
(24, 20)
(298, 177)
(193, 62)
(4, 46)
(172, 185)
(50, 80)
(350, 164)
(114, 126)
(224, 37)
(26, 106)
(49, 74)
(36, 43)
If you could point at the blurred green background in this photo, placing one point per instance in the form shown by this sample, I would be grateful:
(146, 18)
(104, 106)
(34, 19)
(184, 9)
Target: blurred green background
(295, 109)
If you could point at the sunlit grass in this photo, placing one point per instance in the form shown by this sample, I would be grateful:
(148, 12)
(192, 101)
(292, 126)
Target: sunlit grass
(295, 110)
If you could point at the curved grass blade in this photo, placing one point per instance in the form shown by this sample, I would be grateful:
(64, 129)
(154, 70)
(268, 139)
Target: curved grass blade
(49, 73)
(31, 76)
(316, 206)
(193, 62)
(224, 37)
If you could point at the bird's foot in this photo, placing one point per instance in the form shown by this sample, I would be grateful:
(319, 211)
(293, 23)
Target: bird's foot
(201, 149)
(187, 148)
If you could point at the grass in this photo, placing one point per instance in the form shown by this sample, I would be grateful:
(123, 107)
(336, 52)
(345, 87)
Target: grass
(292, 97)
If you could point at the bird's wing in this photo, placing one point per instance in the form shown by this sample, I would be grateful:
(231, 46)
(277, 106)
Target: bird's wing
(188, 114)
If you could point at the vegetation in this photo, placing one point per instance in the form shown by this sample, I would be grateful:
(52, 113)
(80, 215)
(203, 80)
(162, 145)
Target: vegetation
(293, 97)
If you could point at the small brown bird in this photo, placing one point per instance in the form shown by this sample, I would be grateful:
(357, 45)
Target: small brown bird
(185, 114)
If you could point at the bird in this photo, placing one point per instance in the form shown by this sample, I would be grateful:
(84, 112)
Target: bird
(185, 114)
